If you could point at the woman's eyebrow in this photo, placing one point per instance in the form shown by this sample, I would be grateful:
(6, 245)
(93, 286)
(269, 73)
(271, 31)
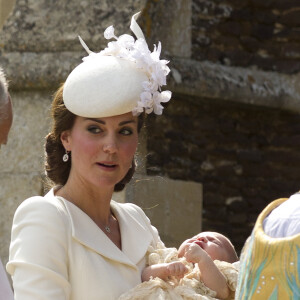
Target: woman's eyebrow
(95, 120)
(127, 122)
(103, 122)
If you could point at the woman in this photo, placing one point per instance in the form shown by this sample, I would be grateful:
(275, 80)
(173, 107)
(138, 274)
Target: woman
(75, 242)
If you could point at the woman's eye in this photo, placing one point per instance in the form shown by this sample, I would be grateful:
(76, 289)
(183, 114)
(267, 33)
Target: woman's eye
(94, 129)
(126, 131)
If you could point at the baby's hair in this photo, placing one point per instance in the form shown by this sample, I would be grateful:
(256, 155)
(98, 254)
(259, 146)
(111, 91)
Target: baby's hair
(232, 255)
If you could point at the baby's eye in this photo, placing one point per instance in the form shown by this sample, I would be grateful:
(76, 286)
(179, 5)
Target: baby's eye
(126, 131)
(211, 239)
(94, 129)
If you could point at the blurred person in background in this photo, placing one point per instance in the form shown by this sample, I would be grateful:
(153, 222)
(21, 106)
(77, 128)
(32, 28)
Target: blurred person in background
(6, 118)
(5, 110)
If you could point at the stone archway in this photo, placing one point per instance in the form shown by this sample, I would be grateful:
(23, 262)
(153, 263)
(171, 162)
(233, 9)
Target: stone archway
(6, 7)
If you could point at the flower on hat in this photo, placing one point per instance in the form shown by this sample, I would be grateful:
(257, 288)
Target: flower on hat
(126, 47)
(109, 32)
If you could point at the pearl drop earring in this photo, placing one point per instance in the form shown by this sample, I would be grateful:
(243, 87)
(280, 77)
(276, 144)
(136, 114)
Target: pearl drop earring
(66, 156)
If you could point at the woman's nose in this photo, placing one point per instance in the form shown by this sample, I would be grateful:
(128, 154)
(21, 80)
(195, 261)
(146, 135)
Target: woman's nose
(110, 146)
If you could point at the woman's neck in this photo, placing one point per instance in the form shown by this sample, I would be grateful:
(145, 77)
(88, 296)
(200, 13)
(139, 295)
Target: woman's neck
(94, 201)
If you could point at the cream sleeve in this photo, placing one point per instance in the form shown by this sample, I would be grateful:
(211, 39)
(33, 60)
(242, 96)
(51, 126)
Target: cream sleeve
(38, 259)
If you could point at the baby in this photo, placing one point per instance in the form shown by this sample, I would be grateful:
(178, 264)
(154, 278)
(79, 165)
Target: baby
(201, 262)
(202, 249)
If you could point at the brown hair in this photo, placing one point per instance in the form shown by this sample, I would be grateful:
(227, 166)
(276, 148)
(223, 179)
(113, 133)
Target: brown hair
(57, 170)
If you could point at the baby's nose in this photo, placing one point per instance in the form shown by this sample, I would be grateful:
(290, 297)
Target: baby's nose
(202, 239)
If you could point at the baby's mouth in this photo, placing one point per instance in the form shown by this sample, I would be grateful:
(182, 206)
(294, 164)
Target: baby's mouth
(199, 243)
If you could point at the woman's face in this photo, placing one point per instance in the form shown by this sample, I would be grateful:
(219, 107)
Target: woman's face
(102, 149)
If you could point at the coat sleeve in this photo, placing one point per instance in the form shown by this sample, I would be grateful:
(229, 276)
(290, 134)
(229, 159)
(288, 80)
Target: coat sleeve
(38, 259)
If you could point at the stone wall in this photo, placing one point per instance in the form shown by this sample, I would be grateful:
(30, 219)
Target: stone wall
(21, 161)
(249, 33)
(6, 8)
(232, 123)
(173, 206)
(244, 156)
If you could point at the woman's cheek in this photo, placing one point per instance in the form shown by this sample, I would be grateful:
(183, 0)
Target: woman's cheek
(130, 148)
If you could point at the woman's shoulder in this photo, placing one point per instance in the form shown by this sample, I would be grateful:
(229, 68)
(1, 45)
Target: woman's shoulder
(43, 205)
(131, 210)
(128, 207)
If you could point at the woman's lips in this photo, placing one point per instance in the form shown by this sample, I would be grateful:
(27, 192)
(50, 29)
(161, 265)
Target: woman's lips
(107, 165)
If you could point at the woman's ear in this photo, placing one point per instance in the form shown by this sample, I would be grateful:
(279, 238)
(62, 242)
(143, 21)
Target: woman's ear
(65, 139)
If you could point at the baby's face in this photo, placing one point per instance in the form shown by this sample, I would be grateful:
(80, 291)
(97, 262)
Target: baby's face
(214, 244)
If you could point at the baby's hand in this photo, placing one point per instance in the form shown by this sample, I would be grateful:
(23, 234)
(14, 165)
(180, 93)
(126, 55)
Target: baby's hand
(194, 253)
(183, 247)
(177, 269)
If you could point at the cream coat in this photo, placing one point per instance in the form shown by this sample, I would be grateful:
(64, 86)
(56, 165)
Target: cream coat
(58, 252)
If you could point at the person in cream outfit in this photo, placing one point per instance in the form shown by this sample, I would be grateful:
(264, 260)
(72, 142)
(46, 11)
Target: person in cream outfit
(76, 242)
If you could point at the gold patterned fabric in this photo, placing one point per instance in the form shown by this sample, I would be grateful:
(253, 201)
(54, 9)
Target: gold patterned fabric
(269, 267)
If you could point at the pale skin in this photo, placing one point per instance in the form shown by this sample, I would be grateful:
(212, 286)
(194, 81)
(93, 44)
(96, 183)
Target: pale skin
(201, 249)
(163, 271)
(102, 150)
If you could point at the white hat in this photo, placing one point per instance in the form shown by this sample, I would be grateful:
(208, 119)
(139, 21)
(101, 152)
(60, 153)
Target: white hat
(123, 77)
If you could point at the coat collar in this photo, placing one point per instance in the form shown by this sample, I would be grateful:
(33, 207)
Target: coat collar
(135, 234)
